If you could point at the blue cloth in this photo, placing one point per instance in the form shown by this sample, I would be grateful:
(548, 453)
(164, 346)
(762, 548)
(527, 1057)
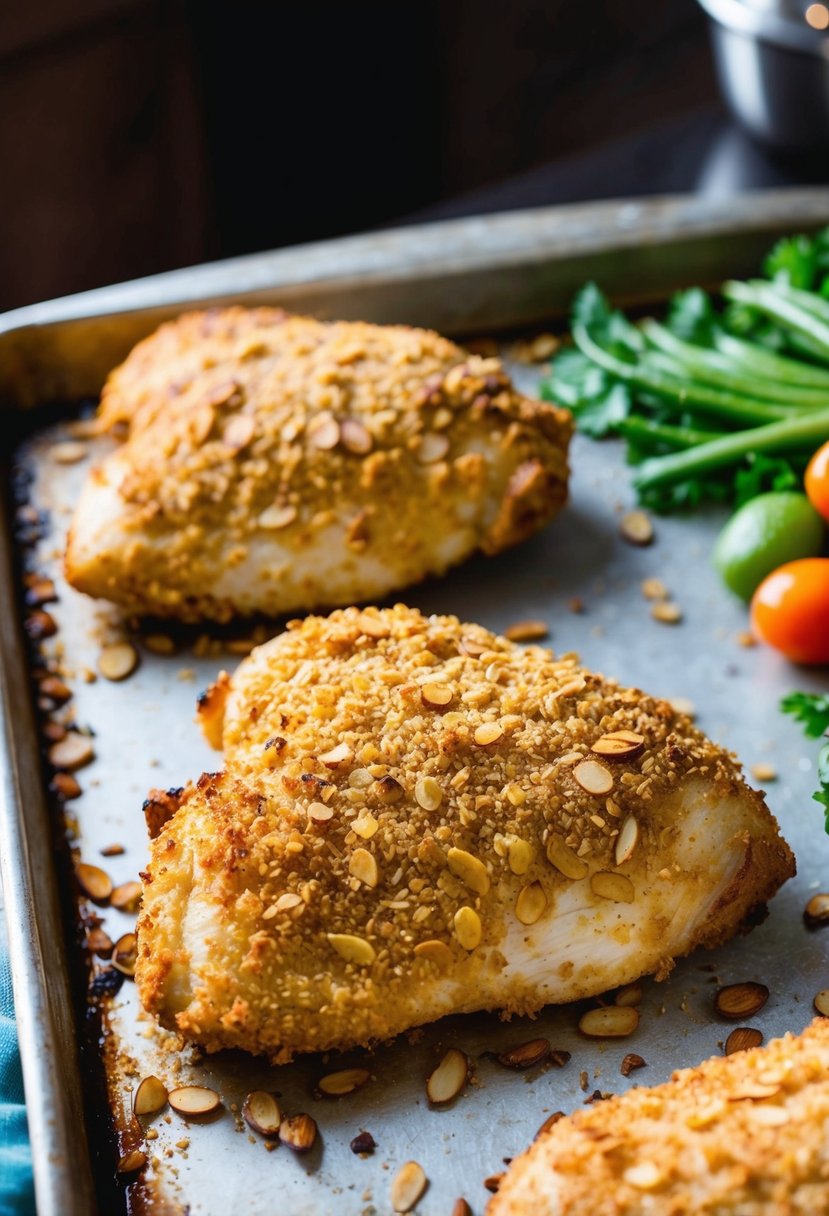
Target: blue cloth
(17, 1196)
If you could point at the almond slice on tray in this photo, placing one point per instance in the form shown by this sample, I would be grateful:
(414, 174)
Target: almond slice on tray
(193, 1101)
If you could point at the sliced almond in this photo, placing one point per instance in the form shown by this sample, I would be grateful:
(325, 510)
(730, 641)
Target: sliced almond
(469, 869)
(468, 929)
(131, 1162)
(432, 447)
(150, 1097)
(428, 793)
(530, 904)
(94, 882)
(631, 1062)
(644, 1176)
(436, 696)
(324, 432)
(636, 528)
(71, 752)
(117, 661)
(754, 1091)
(112, 850)
(55, 690)
(629, 994)
(816, 912)
(287, 901)
(341, 754)
(593, 777)
(362, 865)
(318, 812)
(619, 745)
(66, 786)
(616, 887)
(449, 1078)
(527, 631)
(493, 1182)
(125, 954)
(239, 432)
(667, 612)
(520, 855)
(436, 952)
(821, 1003)
(126, 897)
(338, 1084)
(461, 1208)
(194, 1100)
(373, 626)
(353, 949)
(627, 840)
(609, 1022)
(526, 1055)
(488, 733)
(298, 1132)
(566, 860)
(277, 517)
(741, 1000)
(743, 1038)
(355, 437)
(408, 1185)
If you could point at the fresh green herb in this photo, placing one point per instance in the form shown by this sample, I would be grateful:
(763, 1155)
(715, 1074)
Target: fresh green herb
(812, 711)
(712, 404)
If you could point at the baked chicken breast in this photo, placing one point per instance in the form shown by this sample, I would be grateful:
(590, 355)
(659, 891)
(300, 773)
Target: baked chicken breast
(744, 1135)
(273, 463)
(418, 817)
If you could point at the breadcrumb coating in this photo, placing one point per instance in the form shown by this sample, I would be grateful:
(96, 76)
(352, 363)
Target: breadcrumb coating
(416, 818)
(744, 1135)
(273, 463)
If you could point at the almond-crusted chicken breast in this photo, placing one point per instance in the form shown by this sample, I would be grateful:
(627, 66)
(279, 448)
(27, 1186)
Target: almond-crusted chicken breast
(418, 817)
(744, 1135)
(273, 463)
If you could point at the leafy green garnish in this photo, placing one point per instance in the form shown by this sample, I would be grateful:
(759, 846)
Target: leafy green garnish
(691, 316)
(800, 261)
(811, 709)
(713, 403)
(762, 474)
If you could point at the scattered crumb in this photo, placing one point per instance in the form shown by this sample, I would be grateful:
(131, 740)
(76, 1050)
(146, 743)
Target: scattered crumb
(654, 589)
(763, 772)
(746, 639)
(667, 612)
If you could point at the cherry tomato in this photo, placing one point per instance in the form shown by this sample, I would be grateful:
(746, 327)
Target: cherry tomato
(817, 481)
(790, 610)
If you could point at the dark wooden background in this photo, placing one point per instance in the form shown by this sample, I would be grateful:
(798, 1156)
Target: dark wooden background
(139, 135)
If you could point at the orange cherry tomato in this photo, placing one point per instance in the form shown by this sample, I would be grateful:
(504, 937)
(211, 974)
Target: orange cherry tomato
(817, 481)
(790, 610)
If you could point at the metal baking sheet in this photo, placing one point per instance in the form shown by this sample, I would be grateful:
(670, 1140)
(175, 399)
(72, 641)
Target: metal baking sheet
(145, 736)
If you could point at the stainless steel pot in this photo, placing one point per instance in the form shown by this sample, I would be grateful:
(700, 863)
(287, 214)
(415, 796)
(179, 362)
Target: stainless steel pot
(773, 63)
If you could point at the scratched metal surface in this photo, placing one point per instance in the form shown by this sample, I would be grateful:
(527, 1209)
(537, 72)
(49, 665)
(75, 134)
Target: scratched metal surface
(145, 736)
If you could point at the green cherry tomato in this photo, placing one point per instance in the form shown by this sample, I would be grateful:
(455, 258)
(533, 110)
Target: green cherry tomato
(765, 533)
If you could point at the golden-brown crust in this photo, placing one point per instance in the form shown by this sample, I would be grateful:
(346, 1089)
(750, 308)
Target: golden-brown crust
(744, 1135)
(252, 431)
(387, 771)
